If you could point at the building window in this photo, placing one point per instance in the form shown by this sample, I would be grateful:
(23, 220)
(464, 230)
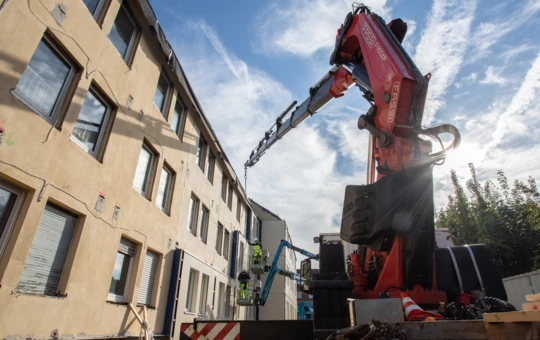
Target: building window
(124, 33)
(221, 299)
(161, 97)
(224, 183)
(95, 7)
(165, 189)
(148, 277)
(10, 203)
(227, 301)
(229, 199)
(241, 256)
(203, 298)
(46, 81)
(201, 153)
(238, 209)
(298, 295)
(211, 166)
(145, 170)
(203, 224)
(191, 297)
(219, 239)
(177, 118)
(226, 245)
(192, 215)
(45, 262)
(92, 122)
(122, 271)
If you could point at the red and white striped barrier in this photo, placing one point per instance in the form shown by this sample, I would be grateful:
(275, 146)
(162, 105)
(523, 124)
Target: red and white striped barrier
(212, 330)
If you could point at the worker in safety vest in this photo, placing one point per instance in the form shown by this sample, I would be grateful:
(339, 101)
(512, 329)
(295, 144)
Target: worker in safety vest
(257, 252)
(244, 278)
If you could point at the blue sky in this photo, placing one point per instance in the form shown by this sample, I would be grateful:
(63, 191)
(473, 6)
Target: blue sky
(248, 60)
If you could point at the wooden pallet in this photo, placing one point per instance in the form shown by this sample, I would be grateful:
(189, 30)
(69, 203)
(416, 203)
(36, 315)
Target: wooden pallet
(513, 325)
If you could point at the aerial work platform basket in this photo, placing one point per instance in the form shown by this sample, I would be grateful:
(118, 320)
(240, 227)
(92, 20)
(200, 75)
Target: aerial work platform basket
(258, 264)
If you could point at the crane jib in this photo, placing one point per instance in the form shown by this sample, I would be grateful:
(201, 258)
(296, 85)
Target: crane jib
(319, 96)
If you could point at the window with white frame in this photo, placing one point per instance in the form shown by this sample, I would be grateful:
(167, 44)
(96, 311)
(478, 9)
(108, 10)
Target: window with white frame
(11, 199)
(219, 239)
(48, 254)
(161, 96)
(145, 170)
(122, 271)
(46, 81)
(91, 125)
(177, 118)
(192, 214)
(95, 7)
(201, 153)
(124, 33)
(148, 277)
(191, 297)
(203, 223)
(203, 298)
(165, 189)
(211, 165)
(226, 245)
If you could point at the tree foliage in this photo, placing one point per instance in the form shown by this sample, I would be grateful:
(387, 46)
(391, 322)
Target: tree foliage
(506, 219)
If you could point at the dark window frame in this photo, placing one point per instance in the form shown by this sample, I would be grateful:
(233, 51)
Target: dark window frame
(202, 148)
(164, 109)
(68, 88)
(179, 130)
(224, 187)
(169, 189)
(192, 225)
(219, 239)
(106, 126)
(210, 172)
(135, 36)
(151, 170)
(205, 222)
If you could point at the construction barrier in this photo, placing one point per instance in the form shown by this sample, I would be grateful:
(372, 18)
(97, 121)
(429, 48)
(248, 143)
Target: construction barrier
(245, 330)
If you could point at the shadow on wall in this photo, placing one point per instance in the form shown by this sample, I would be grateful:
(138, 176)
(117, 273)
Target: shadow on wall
(128, 123)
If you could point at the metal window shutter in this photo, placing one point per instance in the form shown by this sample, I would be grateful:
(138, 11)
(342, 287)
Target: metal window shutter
(127, 247)
(45, 262)
(147, 279)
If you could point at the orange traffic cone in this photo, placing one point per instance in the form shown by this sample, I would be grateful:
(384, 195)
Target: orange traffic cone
(415, 313)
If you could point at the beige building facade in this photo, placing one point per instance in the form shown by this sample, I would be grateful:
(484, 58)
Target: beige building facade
(281, 303)
(108, 167)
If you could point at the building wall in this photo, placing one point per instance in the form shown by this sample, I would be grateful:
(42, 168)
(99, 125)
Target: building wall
(281, 302)
(520, 285)
(41, 159)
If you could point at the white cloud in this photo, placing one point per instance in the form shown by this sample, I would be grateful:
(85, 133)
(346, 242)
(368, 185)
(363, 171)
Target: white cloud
(297, 178)
(306, 26)
(515, 51)
(487, 34)
(506, 136)
(493, 76)
(467, 80)
(411, 29)
(442, 47)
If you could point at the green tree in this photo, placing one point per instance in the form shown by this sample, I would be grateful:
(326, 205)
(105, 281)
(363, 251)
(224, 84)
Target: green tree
(506, 219)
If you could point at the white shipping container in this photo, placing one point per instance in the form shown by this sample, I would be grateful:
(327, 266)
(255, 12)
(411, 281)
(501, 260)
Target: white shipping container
(520, 285)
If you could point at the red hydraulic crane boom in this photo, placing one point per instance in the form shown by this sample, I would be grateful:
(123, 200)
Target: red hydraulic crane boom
(391, 218)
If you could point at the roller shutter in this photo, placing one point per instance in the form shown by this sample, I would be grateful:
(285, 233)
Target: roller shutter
(147, 280)
(45, 262)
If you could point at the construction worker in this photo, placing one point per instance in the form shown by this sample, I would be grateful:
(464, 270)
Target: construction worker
(257, 252)
(244, 278)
